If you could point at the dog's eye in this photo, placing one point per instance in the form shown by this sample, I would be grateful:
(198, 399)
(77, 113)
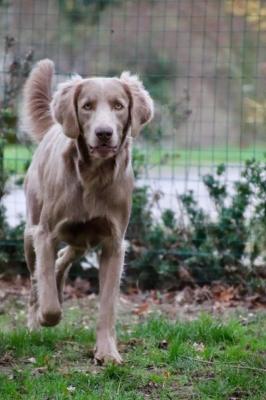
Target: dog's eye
(118, 106)
(88, 106)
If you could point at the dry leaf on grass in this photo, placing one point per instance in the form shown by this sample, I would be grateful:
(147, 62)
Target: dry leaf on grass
(71, 388)
(6, 359)
(224, 294)
(186, 296)
(163, 345)
(39, 371)
(198, 347)
(31, 360)
(166, 374)
(141, 309)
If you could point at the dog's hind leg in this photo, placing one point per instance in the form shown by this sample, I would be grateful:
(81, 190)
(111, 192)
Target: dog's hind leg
(33, 322)
(63, 263)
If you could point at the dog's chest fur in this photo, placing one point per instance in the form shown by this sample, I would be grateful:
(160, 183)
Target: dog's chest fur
(97, 191)
(78, 201)
(101, 199)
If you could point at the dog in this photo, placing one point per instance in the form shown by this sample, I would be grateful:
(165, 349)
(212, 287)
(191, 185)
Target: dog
(79, 186)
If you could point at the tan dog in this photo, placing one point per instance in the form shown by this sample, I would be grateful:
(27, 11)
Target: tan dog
(79, 186)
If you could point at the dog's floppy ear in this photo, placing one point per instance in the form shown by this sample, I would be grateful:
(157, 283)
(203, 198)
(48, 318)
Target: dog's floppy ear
(64, 106)
(142, 103)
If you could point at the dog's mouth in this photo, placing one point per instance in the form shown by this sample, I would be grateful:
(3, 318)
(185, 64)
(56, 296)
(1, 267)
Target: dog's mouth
(103, 150)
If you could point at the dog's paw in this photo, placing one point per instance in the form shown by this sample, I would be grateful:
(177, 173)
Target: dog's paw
(106, 351)
(50, 316)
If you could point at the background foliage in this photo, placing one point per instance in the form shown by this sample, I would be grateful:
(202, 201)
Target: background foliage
(209, 89)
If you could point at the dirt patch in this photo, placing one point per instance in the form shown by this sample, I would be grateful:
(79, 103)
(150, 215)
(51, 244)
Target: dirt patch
(217, 299)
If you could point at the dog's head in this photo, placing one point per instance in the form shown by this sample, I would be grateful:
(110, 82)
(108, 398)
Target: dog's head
(103, 110)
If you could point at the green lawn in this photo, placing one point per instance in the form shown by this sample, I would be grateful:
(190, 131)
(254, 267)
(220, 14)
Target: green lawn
(17, 157)
(204, 359)
(204, 156)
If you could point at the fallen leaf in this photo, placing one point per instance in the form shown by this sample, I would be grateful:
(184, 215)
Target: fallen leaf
(186, 296)
(223, 293)
(31, 360)
(71, 388)
(198, 346)
(185, 275)
(6, 359)
(39, 370)
(166, 374)
(163, 345)
(202, 294)
(142, 309)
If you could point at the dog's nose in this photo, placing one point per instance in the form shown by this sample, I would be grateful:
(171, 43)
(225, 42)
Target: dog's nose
(104, 134)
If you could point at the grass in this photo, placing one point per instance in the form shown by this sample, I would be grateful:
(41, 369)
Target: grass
(204, 359)
(17, 157)
(203, 156)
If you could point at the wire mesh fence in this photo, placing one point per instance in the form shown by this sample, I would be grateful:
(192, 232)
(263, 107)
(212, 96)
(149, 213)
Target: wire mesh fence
(203, 61)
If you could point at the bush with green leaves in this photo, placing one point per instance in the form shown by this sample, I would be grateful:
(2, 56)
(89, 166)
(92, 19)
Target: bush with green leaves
(225, 247)
(16, 71)
(84, 10)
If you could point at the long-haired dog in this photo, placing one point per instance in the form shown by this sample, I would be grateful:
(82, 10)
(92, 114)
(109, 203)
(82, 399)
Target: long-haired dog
(79, 186)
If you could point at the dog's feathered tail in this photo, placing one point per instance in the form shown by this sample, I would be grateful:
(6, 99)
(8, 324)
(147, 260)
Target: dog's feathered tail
(36, 113)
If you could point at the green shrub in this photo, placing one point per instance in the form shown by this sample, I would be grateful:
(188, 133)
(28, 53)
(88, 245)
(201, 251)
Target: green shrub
(16, 71)
(84, 10)
(222, 248)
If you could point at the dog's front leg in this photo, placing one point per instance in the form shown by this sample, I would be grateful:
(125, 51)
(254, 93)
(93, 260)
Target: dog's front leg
(111, 265)
(49, 306)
